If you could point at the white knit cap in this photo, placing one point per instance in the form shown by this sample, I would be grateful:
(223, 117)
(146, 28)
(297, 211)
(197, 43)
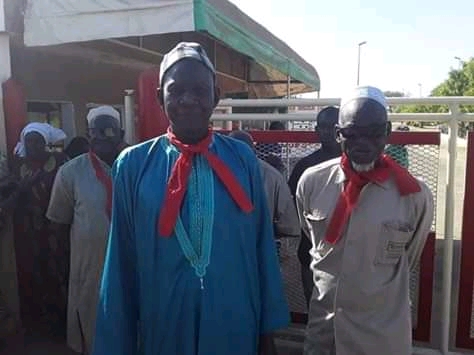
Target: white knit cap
(369, 92)
(102, 111)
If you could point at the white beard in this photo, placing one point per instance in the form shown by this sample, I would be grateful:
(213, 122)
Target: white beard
(362, 167)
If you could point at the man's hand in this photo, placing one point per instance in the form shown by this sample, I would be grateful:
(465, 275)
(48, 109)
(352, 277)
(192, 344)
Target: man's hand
(267, 345)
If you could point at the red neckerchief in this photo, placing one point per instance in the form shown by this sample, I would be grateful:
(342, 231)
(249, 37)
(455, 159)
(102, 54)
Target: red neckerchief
(104, 179)
(353, 185)
(178, 181)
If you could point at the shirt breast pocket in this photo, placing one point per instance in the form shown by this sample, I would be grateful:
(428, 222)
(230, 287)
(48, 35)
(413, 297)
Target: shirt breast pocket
(393, 242)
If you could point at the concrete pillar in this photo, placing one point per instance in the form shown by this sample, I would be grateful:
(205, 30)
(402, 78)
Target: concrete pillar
(68, 121)
(129, 118)
(5, 73)
(8, 278)
(80, 114)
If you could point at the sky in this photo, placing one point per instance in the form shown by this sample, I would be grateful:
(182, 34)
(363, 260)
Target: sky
(409, 42)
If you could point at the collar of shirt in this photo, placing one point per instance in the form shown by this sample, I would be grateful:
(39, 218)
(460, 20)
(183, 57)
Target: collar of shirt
(341, 178)
(171, 147)
(107, 168)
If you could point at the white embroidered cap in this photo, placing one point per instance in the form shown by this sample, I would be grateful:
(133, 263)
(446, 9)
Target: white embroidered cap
(369, 92)
(102, 111)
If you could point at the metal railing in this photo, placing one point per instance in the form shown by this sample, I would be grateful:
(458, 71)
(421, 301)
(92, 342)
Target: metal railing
(451, 118)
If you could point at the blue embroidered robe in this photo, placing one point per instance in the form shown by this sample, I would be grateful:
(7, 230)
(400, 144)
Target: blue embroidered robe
(151, 298)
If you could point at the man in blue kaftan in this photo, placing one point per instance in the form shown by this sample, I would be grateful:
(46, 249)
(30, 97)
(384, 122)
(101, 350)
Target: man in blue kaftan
(191, 266)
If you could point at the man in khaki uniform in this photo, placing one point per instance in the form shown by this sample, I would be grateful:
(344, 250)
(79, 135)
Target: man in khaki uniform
(329, 149)
(81, 201)
(368, 220)
(279, 200)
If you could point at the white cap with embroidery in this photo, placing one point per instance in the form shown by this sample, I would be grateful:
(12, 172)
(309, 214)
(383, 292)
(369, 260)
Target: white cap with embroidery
(368, 92)
(102, 111)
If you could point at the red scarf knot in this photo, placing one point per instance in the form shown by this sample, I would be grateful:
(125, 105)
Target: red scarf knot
(355, 182)
(178, 181)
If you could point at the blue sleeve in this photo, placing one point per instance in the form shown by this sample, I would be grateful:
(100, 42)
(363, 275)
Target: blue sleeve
(274, 308)
(117, 311)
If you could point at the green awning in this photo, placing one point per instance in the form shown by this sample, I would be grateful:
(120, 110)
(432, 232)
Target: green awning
(226, 22)
(52, 22)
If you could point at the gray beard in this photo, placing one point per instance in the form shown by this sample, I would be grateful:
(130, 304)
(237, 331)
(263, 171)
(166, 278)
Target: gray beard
(360, 168)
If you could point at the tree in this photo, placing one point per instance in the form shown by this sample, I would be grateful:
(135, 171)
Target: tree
(460, 82)
(405, 108)
(393, 94)
(457, 84)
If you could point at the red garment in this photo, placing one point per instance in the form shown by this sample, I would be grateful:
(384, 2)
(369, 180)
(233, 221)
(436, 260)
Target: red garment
(178, 181)
(353, 185)
(104, 179)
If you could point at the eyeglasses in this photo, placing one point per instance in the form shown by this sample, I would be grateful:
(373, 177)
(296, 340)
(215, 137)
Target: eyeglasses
(106, 132)
(354, 132)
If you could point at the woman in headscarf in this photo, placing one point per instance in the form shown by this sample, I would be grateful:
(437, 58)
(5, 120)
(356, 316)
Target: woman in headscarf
(41, 255)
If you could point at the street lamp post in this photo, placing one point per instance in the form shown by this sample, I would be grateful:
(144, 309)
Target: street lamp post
(461, 63)
(358, 60)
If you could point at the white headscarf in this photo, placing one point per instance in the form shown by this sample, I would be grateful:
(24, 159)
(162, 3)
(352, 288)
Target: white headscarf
(50, 134)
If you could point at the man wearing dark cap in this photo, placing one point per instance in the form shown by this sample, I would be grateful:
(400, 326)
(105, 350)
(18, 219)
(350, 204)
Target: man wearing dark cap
(330, 149)
(368, 220)
(191, 266)
(280, 203)
(272, 152)
(80, 207)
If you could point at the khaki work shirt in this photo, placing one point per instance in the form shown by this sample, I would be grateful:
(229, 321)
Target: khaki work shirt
(279, 200)
(360, 302)
(79, 199)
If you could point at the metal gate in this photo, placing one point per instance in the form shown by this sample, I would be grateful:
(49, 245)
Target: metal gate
(465, 317)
